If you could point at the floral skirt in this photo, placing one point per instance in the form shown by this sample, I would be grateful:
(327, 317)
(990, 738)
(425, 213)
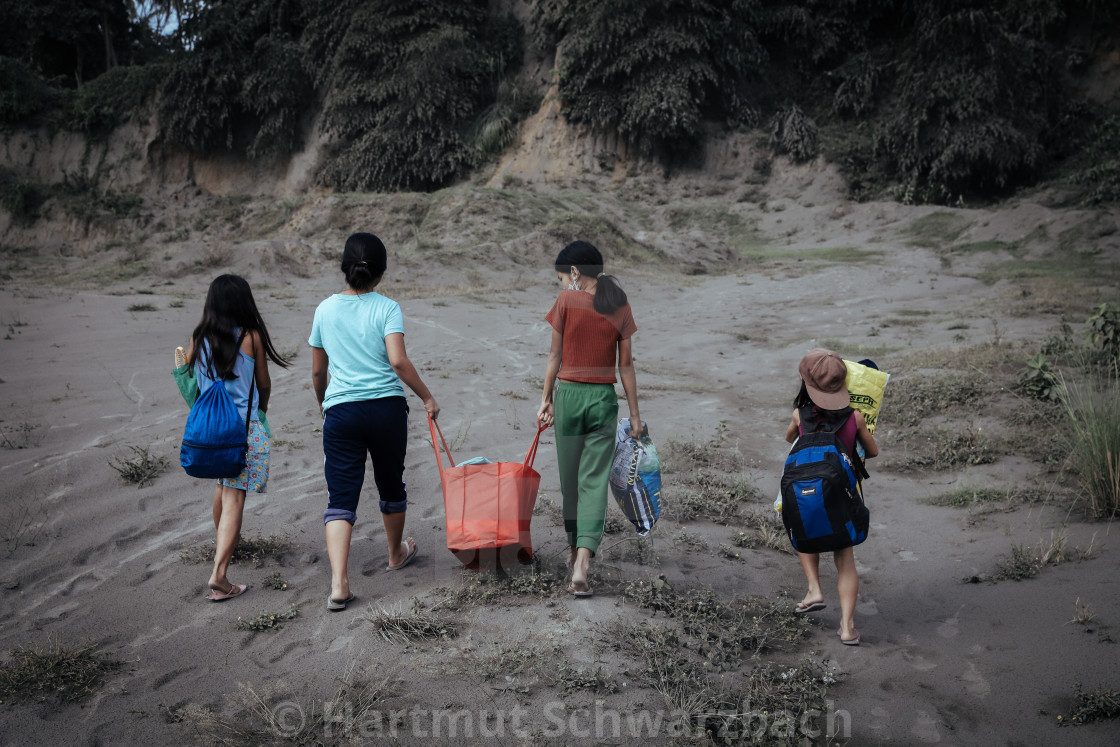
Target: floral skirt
(254, 477)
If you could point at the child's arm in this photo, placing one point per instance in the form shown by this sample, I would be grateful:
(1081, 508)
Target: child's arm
(264, 381)
(398, 359)
(629, 385)
(863, 435)
(792, 430)
(555, 355)
(319, 376)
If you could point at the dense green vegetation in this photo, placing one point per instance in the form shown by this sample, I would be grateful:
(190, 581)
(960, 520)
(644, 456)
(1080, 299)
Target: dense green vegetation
(937, 100)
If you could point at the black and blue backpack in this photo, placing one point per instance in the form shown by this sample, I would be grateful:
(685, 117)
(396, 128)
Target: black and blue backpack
(216, 439)
(822, 498)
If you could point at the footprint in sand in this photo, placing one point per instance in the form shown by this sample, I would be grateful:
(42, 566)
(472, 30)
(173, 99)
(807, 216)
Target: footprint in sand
(951, 627)
(919, 662)
(976, 685)
(925, 728)
(907, 556)
(867, 607)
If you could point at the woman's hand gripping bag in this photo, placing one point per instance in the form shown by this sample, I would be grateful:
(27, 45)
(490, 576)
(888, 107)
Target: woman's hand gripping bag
(636, 477)
(489, 507)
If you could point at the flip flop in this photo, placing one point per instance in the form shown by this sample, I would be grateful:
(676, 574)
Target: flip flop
(234, 591)
(803, 609)
(334, 605)
(578, 593)
(407, 558)
(851, 641)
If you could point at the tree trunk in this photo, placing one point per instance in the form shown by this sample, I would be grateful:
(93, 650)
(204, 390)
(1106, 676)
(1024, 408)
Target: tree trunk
(110, 53)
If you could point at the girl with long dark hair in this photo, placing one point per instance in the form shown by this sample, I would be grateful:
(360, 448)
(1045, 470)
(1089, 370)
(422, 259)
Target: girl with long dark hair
(231, 344)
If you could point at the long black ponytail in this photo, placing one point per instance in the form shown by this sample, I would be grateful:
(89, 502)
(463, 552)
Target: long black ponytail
(609, 296)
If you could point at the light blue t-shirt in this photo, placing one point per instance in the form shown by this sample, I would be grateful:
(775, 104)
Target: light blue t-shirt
(352, 331)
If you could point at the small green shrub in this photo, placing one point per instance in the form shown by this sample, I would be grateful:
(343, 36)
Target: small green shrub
(1093, 705)
(1039, 381)
(1103, 330)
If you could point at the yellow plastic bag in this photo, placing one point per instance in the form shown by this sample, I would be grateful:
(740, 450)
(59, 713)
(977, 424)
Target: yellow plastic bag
(865, 387)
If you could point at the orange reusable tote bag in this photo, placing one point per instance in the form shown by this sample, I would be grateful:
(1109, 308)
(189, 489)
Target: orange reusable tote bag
(489, 507)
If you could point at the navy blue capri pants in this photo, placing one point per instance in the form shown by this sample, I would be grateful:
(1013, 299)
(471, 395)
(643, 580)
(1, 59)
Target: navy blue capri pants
(378, 427)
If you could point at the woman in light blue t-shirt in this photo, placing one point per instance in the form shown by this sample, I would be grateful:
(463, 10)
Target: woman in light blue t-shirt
(358, 362)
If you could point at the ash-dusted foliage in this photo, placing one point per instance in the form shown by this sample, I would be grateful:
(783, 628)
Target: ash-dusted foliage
(407, 81)
(963, 99)
(244, 85)
(653, 71)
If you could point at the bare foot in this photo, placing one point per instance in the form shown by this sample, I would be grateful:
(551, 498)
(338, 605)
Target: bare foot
(404, 554)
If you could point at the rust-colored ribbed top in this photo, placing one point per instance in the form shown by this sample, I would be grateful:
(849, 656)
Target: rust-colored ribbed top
(590, 352)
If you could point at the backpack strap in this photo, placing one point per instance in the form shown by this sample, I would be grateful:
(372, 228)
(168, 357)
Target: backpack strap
(252, 384)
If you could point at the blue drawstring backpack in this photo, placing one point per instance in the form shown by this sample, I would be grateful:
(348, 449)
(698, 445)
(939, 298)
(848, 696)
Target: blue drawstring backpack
(216, 439)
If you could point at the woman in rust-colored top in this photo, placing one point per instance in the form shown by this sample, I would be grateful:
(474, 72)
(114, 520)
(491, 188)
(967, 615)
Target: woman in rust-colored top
(591, 330)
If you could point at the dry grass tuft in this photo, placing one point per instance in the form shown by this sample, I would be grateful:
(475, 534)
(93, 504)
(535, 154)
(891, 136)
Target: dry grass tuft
(396, 624)
(55, 672)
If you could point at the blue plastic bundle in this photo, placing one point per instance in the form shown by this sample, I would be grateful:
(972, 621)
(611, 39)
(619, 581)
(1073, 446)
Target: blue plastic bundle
(636, 477)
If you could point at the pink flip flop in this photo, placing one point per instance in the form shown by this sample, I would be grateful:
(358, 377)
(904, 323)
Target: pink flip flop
(851, 641)
(234, 591)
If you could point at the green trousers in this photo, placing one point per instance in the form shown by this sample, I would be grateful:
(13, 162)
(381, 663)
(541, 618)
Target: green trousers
(586, 421)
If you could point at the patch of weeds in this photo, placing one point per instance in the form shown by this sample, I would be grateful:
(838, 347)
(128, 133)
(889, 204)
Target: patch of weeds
(968, 497)
(178, 303)
(765, 529)
(724, 627)
(710, 496)
(269, 717)
(257, 550)
(729, 552)
(549, 508)
(21, 525)
(632, 549)
(572, 678)
(275, 582)
(55, 672)
(21, 436)
(267, 620)
(396, 624)
(141, 467)
(510, 661)
(493, 587)
(1026, 562)
(936, 230)
(914, 399)
(727, 710)
(690, 542)
(614, 522)
(950, 450)
(1095, 705)
(143, 307)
